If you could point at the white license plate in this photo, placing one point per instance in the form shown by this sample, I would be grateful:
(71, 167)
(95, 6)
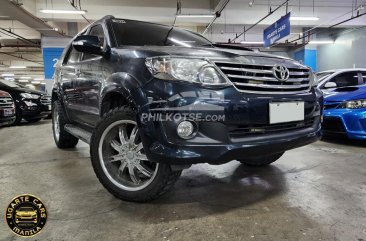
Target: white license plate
(49, 107)
(283, 112)
(8, 112)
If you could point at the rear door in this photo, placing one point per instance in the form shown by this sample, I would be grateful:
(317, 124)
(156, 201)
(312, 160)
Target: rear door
(67, 75)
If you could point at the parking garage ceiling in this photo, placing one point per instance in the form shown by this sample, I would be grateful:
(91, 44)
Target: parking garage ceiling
(22, 24)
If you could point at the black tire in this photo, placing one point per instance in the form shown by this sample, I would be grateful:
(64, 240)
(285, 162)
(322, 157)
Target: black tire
(261, 160)
(18, 117)
(163, 180)
(64, 139)
(33, 120)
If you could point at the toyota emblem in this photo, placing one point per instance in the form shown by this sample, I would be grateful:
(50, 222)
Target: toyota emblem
(281, 73)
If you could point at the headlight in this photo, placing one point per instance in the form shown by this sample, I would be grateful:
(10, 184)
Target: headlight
(30, 103)
(29, 96)
(354, 104)
(192, 70)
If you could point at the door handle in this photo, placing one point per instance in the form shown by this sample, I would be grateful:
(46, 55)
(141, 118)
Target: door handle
(77, 72)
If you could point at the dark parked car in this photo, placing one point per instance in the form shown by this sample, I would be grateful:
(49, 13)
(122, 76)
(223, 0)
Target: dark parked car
(31, 105)
(153, 99)
(7, 109)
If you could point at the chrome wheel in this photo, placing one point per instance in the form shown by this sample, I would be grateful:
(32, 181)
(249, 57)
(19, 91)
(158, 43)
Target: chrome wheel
(56, 123)
(122, 157)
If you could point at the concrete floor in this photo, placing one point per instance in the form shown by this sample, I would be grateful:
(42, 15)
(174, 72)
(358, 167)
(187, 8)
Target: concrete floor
(316, 192)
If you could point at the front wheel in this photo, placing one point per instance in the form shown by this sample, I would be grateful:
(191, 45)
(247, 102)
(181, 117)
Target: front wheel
(120, 163)
(261, 160)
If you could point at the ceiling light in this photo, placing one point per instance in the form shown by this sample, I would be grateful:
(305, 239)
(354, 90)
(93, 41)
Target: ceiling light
(23, 81)
(43, 83)
(252, 42)
(36, 82)
(195, 16)
(321, 42)
(25, 77)
(55, 11)
(304, 18)
(38, 79)
(9, 78)
(7, 75)
(17, 67)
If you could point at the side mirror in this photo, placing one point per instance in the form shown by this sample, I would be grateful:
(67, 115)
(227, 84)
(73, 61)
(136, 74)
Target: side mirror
(330, 85)
(88, 44)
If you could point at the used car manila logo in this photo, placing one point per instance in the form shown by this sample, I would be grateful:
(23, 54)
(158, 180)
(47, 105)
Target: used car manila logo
(26, 215)
(281, 73)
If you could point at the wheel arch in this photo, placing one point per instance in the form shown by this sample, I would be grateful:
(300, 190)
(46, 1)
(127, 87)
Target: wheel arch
(120, 89)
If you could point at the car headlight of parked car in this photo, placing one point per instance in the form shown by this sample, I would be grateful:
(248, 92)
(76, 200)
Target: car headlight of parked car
(354, 104)
(30, 103)
(29, 96)
(187, 69)
(313, 80)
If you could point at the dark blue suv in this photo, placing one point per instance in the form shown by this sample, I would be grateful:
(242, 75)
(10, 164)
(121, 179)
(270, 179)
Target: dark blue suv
(151, 100)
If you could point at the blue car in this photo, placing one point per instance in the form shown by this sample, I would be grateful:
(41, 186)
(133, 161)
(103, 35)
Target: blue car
(345, 112)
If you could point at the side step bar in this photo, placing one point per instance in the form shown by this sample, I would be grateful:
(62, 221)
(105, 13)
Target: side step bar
(78, 132)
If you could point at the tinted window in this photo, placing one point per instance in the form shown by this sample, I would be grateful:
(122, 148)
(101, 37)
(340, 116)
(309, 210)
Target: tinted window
(73, 56)
(136, 33)
(96, 30)
(363, 76)
(346, 79)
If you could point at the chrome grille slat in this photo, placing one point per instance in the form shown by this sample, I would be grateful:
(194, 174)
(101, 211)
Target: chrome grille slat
(260, 78)
(291, 80)
(6, 102)
(272, 86)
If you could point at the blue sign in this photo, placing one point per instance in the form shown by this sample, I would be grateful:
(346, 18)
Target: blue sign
(50, 58)
(277, 31)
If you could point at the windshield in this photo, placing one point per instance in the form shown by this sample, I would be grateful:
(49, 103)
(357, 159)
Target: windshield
(9, 83)
(135, 33)
(322, 75)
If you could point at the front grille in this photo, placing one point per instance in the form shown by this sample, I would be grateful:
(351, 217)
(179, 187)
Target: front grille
(260, 78)
(6, 102)
(243, 130)
(332, 124)
(46, 100)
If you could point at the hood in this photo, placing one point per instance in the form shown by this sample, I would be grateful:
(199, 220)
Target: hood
(30, 91)
(346, 93)
(214, 54)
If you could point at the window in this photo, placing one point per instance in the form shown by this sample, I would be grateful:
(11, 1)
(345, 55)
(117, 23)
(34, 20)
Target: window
(346, 79)
(73, 56)
(96, 30)
(135, 33)
(363, 76)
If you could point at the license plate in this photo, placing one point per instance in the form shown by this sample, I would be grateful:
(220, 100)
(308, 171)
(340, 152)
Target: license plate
(49, 107)
(283, 112)
(8, 112)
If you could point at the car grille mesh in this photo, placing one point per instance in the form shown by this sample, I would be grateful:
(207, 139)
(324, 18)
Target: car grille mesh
(46, 100)
(6, 102)
(260, 78)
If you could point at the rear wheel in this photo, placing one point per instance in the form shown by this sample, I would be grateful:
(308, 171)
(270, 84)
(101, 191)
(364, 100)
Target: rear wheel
(62, 138)
(120, 163)
(261, 160)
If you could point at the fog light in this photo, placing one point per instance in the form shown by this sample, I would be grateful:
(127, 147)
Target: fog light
(185, 129)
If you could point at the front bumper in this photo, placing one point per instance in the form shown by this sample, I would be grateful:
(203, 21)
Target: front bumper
(349, 122)
(34, 109)
(245, 131)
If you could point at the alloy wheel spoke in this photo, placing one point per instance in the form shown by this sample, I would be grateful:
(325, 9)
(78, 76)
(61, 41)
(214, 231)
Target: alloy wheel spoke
(122, 167)
(115, 145)
(116, 158)
(138, 147)
(133, 136)
(123, 135)
(132, 174)
(144, 170)
(141, 157)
